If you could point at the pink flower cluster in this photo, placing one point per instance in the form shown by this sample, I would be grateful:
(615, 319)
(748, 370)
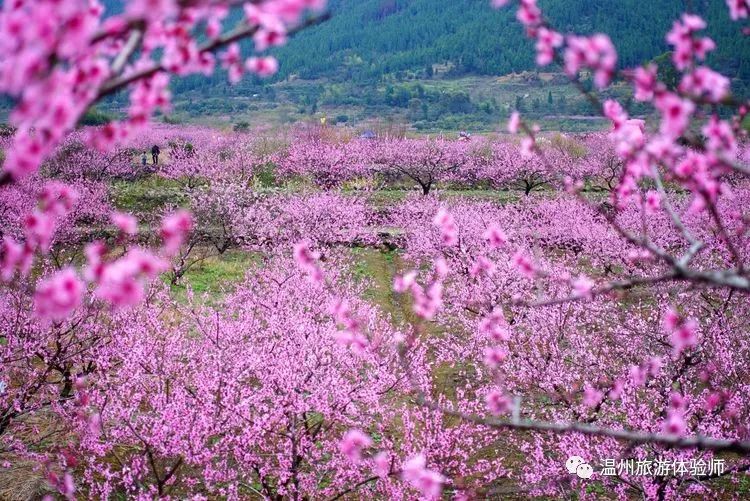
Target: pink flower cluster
(55, 201)
(596, 53)
(687, 46)
(639, 374)
(739, 9)
(495, 327)
(682, 332)
(352, 444)
(51, 98)
(495, 236)
(351, 334)
(547, 41)
(646, 82)
(426, 301)
(528, 13)
(428, 482)
(58, 296)
(675, 421)
(125, 223)
(60, 57)
(231, 60)
(307, 260)
(704, 82)
(524, 263)
(498, 403)
(174, 228)
(448, 229)
(121, 282)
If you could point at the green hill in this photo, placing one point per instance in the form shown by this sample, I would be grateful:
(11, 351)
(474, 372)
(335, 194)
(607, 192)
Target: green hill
(368, 38)
(432, 64)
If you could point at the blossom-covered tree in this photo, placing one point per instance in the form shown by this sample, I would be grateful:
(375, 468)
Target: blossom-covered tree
(329, 164)
(606, 166)
(615, 331)
(25, 210)
(425, 162)
(533, 353)
(74, 160)
(671, 306)
(278, 221)
(58, 58)
(510, 167)
(189, 411)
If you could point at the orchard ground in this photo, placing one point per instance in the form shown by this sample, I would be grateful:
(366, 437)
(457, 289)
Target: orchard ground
(311, 313)
(217, 274)
(368, 207)
(356, 202)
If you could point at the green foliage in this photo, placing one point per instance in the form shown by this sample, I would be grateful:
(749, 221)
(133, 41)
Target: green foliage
(265, 177)
(217, 275)
(419, 61)
(377, 270)
(168, 119)
(667, 72)
(568, 145)
(242, 126)
(94, 116)
(364, 41)
(519, 104)
(147, 195)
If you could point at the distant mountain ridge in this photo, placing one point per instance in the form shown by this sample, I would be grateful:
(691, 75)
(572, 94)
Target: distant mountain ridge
(366, 39)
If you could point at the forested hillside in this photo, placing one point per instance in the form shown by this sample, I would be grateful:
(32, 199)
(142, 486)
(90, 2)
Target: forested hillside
(431, 63)
(368, 38)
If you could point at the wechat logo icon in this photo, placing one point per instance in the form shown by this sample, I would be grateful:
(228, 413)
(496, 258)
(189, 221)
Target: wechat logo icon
(576, 465)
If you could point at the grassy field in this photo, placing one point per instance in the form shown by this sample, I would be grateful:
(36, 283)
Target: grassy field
(546, 97)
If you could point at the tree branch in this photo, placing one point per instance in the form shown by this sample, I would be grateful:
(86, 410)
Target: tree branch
(244, 31)
(633, 437)
(130, 47)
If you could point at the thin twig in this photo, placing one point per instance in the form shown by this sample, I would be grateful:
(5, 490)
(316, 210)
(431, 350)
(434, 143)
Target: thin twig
(633, 437)
(244, 31)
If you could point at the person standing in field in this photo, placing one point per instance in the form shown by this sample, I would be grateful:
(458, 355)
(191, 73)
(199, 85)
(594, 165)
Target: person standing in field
(155, 154)
(144, 160)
